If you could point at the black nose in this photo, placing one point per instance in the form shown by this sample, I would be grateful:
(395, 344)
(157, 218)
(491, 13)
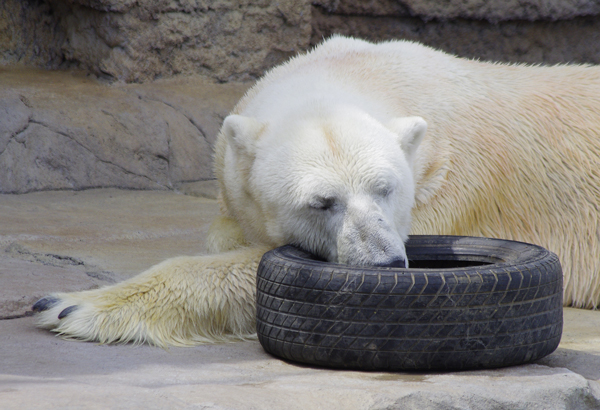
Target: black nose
(396, 263)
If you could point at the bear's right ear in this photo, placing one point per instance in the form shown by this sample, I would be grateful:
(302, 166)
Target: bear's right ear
(410, 131)
(242, 133)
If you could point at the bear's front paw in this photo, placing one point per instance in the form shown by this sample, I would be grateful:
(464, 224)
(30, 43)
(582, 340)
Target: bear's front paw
(182, 301)
(49, 302)
(93, 316)
(45, 303)
(51, 310)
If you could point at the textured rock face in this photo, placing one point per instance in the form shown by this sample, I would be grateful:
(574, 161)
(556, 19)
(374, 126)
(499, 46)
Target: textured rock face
(144, 40)
(575, 40)
(63, 131)
(226, 40)
(493, 11)
(30, 34)
(60, 130)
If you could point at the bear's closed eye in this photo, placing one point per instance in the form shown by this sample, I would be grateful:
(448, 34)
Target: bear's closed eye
(322, 203)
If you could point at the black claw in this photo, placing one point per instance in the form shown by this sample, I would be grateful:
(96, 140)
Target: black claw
(67, 311)
(45, 303)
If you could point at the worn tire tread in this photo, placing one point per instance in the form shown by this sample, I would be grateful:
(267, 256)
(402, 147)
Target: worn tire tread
(485, 316)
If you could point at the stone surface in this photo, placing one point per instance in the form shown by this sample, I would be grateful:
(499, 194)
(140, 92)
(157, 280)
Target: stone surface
(29, 34)
(71, 240)
(575, 40)
(52, 241)
(492, 11)
(65, 130)
(71, 130)
(144, 40)
(137, 41)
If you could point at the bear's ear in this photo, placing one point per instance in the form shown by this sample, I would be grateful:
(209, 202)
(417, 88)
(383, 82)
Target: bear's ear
(411, 131)
(242, 133)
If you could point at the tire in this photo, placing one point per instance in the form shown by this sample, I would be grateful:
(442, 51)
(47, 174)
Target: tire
(465, 303)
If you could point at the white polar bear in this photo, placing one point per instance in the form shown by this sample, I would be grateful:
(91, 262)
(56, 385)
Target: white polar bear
(328, 152)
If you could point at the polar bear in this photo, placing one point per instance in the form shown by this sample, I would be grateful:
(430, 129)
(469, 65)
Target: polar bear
(346, 150)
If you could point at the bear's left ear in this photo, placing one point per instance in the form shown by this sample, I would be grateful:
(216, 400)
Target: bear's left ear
(411, 131)
(242, 133)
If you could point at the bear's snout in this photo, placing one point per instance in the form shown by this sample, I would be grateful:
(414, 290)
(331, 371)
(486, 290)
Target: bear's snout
(366, 238)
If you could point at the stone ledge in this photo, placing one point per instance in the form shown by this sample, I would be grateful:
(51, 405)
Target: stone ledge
(65, 130)
(63, 241)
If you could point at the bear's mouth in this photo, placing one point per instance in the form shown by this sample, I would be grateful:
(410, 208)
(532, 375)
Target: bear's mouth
(423, 261)
(444, 263)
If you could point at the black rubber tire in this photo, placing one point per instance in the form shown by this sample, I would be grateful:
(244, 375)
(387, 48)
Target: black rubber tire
(505, 310)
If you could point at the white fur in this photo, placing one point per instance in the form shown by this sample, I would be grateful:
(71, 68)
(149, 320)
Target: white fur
(329, 152)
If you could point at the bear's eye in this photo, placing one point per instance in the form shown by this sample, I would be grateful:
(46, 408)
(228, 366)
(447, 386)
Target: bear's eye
(384, 191)
(322, 203)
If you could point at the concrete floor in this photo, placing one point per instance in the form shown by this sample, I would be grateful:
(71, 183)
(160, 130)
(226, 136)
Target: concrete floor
(51, 241)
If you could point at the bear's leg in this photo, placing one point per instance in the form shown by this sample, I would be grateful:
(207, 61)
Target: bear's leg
(181, 301)
(225, 234)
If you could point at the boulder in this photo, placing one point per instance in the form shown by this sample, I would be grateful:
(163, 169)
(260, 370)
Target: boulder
(66, 130)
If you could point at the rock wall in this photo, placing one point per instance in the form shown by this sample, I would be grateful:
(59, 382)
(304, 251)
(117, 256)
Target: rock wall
(489, 10)
(65, 130)
(237, 40)
(530, 36)
(30, 34)
(153, 79)
(136, 41)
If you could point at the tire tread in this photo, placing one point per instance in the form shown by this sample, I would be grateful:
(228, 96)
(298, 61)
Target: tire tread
(400, 319)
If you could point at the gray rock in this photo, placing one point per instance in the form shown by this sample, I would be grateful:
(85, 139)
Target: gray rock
(14, 119)
(145, 40)
(24, 281)
(73, 132)
(139, 41)
(493, 11)
(574, 40)
(39, 371)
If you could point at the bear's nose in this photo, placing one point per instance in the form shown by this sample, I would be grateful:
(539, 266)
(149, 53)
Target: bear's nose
(396, 263)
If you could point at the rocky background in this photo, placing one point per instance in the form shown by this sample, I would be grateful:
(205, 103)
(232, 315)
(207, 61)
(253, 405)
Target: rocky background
(131, 93)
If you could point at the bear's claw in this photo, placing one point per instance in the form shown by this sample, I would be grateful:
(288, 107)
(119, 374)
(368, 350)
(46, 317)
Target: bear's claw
(66, 311)
(45, 303)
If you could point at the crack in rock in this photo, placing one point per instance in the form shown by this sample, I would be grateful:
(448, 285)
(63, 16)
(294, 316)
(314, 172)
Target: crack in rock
(104, 276)
(10, 112)
(18, 251)
(180, 111)
(21, 316)
(124, 170)
(15, 137)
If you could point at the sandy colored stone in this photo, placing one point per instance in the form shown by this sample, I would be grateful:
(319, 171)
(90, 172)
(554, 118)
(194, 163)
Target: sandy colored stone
(68, 241)
(37, 369)
(64, 241)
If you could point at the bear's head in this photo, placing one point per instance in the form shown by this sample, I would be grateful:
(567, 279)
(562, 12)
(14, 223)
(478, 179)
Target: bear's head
(335, 182)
